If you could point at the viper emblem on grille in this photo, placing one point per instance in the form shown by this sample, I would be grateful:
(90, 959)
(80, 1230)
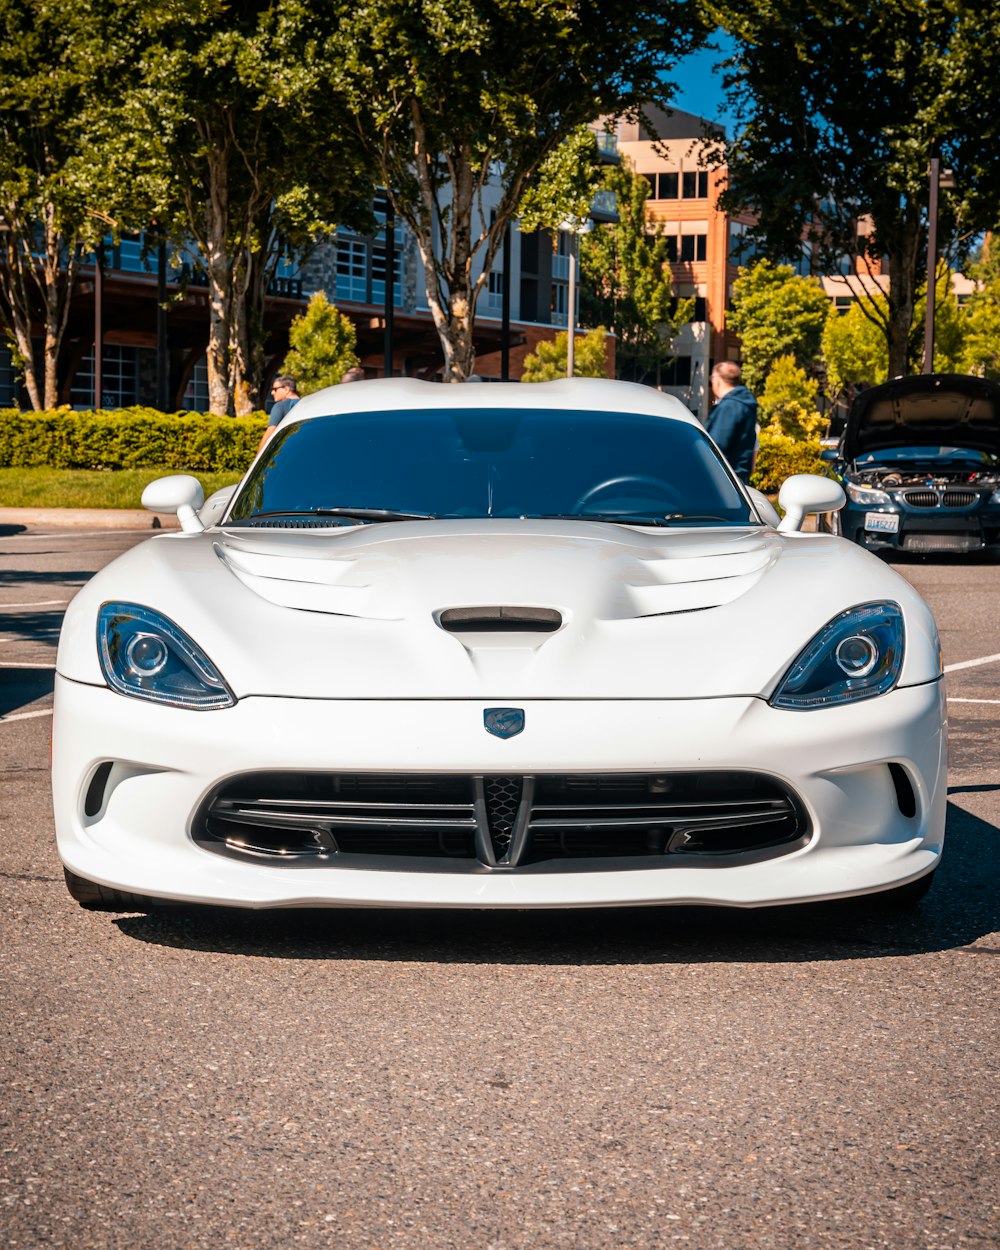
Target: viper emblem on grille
(504, 722)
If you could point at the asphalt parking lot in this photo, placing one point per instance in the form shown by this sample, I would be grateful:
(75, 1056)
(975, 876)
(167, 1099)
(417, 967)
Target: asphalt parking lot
(786, 1078)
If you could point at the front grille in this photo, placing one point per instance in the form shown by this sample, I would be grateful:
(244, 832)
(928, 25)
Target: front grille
(959, 498)
(567, 821)
(950, 498)
(921, 498)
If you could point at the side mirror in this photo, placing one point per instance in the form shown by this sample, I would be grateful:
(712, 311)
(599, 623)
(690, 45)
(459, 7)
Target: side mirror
(181, 494)
(803, 493)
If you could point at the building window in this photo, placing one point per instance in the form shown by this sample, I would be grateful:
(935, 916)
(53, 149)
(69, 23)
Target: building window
(677, 372)
(695, 185)
(560, 303)
(668, 186)
(196, 391)
(494, 290)
(8, 378)
(694, 247)
(361, 268)
(671, 242)
(842, 303)
(119, 383)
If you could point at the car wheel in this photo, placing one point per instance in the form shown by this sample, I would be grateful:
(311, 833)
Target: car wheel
(96, 897)
(905, 895)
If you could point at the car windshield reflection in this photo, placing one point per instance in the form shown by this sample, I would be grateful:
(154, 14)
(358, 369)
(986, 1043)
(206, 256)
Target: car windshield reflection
(463, 464)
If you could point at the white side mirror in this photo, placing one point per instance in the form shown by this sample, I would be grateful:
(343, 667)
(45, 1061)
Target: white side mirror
(803, 493)
(181, 494)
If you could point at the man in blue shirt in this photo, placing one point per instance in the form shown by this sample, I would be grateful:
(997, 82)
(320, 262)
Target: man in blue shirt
(286, 396)
(732, 423)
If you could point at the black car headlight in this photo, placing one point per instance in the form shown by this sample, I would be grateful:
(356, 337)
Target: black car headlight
(858, 655)
(146, 656)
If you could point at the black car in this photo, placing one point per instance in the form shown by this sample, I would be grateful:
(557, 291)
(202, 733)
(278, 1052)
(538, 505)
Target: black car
(919, 460)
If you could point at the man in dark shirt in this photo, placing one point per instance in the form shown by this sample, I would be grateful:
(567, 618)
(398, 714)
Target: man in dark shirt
(732, 423)
(286, 396)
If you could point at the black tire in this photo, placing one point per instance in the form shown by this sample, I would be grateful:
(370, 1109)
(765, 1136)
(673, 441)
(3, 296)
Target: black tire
(96, 897)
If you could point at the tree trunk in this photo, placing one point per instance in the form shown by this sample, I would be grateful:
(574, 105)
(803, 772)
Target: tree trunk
(218, 268)
(902, 291)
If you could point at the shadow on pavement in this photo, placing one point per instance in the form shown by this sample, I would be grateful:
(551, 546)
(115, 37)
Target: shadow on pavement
(22, 686)
(6, 531)
(962, 907)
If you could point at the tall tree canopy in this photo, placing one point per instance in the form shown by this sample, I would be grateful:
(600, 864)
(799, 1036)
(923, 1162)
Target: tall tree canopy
(48, 181)
(447, 98)
(205, 139)
(840, 105)
(627, 281)
(776, 313)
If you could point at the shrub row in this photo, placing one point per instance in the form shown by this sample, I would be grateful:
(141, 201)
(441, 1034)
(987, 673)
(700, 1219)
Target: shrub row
(780, 456)
(128, 438)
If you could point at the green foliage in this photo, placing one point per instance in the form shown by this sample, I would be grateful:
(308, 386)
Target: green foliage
(839, 109)
(788, 402)
(91, 488)
(128, 438)
(949, 327)
(776, 313)
(626, 280)
(780, 455)
(323, 346)
(854, 349)
(564, 188)
(450, 98)
(981, 324)
(548, 361)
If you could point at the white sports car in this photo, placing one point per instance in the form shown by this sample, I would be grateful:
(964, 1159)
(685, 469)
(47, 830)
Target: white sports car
(525, 646)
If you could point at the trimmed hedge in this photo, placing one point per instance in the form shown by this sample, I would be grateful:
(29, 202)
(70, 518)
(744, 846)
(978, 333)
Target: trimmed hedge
(128, 438)
(781, 455)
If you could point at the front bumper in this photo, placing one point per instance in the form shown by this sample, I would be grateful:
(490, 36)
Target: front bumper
(138, 838)
(924, 529)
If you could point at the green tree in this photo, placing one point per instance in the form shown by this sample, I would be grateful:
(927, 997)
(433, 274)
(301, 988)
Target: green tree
(626, 280)
(776, 313)
(788, 401)
(854, 350)
(323, 346)
(458, 117)
(548, 361)
(839, 107)
(206, 139)
(981, 339)
(48, 182)
(949, 326)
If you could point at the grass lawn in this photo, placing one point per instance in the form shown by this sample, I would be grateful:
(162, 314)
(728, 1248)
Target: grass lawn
(88, 488)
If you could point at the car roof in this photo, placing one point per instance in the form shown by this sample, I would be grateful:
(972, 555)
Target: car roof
(567, 394)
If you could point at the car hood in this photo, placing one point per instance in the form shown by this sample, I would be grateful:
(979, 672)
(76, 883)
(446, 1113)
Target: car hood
(490, 609)
(925, 410)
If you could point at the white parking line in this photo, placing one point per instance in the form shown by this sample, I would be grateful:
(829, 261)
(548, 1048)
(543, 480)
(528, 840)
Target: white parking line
(25, 715)
(15, 664)
(986, 659)
(974, 700)
(37, 603)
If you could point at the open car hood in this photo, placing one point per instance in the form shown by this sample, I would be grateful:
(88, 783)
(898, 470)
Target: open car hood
(925, 410)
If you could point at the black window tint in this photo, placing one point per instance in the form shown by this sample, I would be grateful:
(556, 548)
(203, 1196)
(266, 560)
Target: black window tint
(690, 186)
(687, 246)
(703, 185)
(490, 462)
(668, 186)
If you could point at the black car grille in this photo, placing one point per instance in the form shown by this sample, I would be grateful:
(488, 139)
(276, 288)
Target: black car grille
(940, 499)
(522, 823)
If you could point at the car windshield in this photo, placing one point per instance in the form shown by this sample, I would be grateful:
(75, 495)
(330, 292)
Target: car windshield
(897, 455)
(462, 463)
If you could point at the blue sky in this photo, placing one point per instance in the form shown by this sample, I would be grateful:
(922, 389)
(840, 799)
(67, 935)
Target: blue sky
(700, 87)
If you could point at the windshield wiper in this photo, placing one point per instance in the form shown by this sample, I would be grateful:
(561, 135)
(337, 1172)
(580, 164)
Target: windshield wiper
(349, 514)
(627, 518)
(377, 514)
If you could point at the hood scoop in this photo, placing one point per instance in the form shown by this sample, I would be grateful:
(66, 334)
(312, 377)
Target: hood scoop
(500, 620)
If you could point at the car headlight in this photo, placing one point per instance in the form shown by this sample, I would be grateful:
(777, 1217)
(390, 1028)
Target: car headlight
(858, 655)
(995, 497)
(146, 656)
(865, 495)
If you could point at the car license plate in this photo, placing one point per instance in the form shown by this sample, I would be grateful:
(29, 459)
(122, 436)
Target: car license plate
(882, 522)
